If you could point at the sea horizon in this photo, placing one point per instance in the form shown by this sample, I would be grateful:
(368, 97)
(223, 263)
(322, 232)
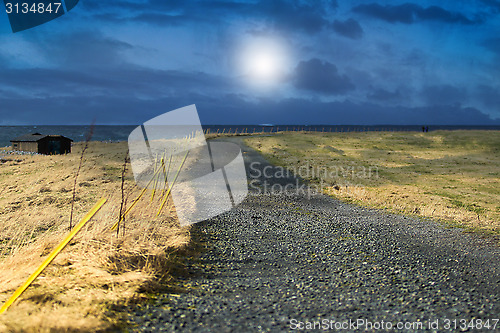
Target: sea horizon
(113, 133)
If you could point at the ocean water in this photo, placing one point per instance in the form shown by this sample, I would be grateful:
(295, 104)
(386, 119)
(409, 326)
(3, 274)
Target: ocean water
(121, 132)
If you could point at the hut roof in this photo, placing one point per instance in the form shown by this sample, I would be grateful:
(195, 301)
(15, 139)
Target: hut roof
(35, 137)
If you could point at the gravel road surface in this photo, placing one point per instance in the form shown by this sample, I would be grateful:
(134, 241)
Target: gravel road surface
(282, 262)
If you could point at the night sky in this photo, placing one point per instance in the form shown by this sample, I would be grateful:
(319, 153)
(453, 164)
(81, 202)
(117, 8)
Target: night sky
(251, 62)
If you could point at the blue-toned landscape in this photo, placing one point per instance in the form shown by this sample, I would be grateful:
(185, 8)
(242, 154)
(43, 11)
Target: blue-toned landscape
(347, 177)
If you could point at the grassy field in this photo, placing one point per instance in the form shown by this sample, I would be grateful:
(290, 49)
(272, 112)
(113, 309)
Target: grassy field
(98, 272)
(452, 176)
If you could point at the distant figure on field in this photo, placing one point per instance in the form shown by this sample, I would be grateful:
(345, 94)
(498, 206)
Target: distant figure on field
(426, 129)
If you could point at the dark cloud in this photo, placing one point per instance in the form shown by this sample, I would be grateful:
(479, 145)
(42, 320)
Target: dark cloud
(349, 28)
(125, 82)
(133, 95)
(382, 95)
(445, 114)
(124, 5)
(306, 16)
(323, 77)
(69, 49)
(492, 44)
(410, 13)
(82, 49)
(489, 96)
(151, 18)
(444, 95)
(233, 109)
(159, 19)
(493, 4)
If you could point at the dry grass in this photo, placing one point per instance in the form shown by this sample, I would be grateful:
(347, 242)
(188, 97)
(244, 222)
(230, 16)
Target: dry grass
(210, 136)
(97, 271)
(452, 176)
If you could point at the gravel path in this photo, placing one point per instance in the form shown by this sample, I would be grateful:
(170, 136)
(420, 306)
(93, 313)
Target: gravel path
(283, 262)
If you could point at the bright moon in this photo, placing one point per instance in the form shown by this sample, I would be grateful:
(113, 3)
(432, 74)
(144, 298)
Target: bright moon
(264, 65)
(263, 60)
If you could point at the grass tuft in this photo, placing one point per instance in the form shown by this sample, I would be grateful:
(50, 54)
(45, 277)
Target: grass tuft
(97, 274)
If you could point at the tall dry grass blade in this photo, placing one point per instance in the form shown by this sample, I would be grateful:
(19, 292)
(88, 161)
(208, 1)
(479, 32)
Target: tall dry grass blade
(165, 173)
(168, 168)
(173, 183)
(89, 135)
(134, 202)
(155, 181)
(122, 187)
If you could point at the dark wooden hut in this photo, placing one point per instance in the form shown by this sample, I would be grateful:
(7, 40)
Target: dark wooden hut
(42, 144)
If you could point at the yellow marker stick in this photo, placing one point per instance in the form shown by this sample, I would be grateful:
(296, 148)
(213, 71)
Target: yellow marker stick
(135, 201)
(52, 255)
(166, 172)
(173, 182)
(154, 182)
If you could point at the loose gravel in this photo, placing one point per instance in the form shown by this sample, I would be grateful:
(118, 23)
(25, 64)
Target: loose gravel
(280, 260)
